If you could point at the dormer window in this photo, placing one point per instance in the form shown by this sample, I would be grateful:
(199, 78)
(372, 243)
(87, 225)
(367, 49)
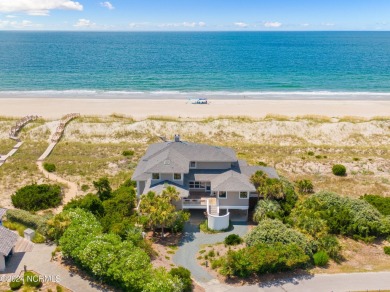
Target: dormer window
(192, 164)
(155, 176)
(177, 176)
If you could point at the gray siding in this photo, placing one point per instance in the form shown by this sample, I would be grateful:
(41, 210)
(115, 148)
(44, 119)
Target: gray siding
(140, 187)
(233, 200)
(167, 176)
(213, 165)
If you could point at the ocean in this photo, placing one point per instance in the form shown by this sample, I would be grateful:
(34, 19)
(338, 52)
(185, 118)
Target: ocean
(230, 64)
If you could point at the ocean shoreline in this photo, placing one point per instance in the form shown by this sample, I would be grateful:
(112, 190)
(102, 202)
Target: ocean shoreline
(54, 108)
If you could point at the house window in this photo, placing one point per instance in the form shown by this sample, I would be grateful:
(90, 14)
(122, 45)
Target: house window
(243, 195)
(192, 164)
(155, 176)
(177, 176)
(222, 195)
(197, 185)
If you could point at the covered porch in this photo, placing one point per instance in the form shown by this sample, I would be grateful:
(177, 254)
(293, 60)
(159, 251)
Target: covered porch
(198, 200)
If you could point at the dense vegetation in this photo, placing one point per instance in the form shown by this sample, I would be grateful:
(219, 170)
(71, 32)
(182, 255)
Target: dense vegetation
(106, 256)
(274, 231)
(264, 258)
(37, 222)
(37, 197)
(326, 212)
(102, 234)
(158, 210)
(379, 202)
(308, 228)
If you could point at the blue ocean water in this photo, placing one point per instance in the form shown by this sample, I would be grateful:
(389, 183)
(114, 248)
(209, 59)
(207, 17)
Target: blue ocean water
(230, 62)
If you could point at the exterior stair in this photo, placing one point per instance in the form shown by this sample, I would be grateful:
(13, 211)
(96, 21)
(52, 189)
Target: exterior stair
(214, 210)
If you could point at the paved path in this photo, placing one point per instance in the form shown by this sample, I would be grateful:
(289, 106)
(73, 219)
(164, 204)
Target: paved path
(191, 243)
(39, 260)
(70, 193)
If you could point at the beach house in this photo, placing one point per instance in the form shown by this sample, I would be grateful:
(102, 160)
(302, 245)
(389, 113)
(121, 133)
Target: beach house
(207, 177)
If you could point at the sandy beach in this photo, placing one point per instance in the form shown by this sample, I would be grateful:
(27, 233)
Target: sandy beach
(142, 108)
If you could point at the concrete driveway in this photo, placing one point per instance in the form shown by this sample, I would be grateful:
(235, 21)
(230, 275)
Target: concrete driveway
(193, 239)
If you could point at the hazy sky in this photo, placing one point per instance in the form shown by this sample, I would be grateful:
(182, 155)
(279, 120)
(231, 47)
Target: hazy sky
(199, 15)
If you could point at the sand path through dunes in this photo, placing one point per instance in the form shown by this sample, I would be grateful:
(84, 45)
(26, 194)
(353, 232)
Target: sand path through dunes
(70, 192)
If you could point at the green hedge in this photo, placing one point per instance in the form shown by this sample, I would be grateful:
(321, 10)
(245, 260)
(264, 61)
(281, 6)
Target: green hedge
(35, 222)
(321, 258)
(379, 202)
(37, 197)
(264, 258)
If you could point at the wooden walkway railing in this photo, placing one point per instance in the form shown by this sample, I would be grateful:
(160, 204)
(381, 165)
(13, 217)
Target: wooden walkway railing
(13, 134)
(19, 125)
(58, 134)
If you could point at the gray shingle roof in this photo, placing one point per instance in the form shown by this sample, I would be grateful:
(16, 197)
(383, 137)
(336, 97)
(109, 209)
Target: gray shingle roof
(8, 240)
(160, 186)
(232, 181)
(169, 157)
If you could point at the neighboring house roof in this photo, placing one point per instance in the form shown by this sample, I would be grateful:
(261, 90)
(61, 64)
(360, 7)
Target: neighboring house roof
(2, 212)
(169, 157)
(232, 181)
(8, 240)
(160, 186)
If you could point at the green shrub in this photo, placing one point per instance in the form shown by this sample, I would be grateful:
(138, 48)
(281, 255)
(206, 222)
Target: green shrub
(84, 188)
(233, 239)
(386, 249)
(263, 258)
(185, 277)
(16, 284)
(32, 280)
(49, 167)
(290, 197)
(274, 231)
(128, 153)
(38, 238)
(310, 153)
(331, 245)
(89, 202)
(217, 263)
(321, 258)
(36, 222)
(37, 197)
(379, 202)
(339, 170)
(267, 209)
(59, 288)
(305, 186)
(343, 215)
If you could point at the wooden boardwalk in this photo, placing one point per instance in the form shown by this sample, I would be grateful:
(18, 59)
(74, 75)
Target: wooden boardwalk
(57, 135)
(13, 134)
